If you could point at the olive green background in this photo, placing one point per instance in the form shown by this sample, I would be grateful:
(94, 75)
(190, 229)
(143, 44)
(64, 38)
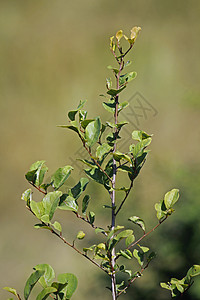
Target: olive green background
(54, 53)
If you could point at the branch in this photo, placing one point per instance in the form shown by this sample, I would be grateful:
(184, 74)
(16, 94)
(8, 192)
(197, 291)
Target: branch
(146, 234)
(70, 245)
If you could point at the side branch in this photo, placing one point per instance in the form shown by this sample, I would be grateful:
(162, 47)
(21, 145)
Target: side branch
(126, 196)
(146, 234)
(59, 235)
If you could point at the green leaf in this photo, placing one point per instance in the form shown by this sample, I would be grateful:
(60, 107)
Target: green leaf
(46, 292)
(47, 277)
(139, 147)
(102, 150)
(57, 226)
(80, 235)
(79, 188)
(72, 113)
(119, 35)
(138, 221)
(127, 78)
(10, 290)
(72, 127)
(36, 172)
(50, 202)
(109, 106)
(32, 280)
(118, 156)
(68, 203)
(151, 256)
(85, 203)
(161, 209)
(85, 123)
(42, 226)
(98, 230)
(130, 239)
(91, 217)
(193, 271)
(171, 198)
(71, 286)
(114, 92)
(37, 208)
(124, 234)
(97, 175)
(126, 254)
(139, 256)
(121, 106)
(140, 135)
(60, 176)
(143, 248)
(92, 132)
(26, 196)
(108, 83)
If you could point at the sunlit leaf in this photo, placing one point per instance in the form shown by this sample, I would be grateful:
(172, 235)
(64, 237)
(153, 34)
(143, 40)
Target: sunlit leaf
(171, 198)
(46, 292)
(80, 235)
(138, 221)
(48, 276)
(92, 132)
(72, 281)
(50, 202)
(60, 176)
(68, 203)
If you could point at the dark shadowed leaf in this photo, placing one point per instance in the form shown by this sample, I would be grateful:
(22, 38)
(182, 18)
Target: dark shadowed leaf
(32, 280)
(68, 203)
(79, 188)
(85, 203)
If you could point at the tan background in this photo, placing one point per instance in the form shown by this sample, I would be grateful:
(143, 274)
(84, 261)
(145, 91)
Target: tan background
(54, 53)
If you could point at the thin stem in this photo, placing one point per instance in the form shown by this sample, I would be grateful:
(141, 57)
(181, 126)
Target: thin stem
(126, 196)
(131, 281)
(41, 191)
(87, 221)
(96, 162)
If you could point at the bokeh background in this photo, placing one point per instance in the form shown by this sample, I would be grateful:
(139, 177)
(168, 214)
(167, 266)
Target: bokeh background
(54, 53)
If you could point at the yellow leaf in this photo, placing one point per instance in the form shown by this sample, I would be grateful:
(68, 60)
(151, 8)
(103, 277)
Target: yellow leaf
(119, 35)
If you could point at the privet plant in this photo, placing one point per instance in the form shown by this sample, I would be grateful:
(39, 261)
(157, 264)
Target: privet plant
(103, 163)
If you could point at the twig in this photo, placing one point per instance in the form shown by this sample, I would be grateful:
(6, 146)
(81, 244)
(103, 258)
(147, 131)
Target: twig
(41, 191)
(126, 196)
(131, 281)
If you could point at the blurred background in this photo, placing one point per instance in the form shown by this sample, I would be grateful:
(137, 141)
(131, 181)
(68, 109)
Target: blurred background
(54, 53)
